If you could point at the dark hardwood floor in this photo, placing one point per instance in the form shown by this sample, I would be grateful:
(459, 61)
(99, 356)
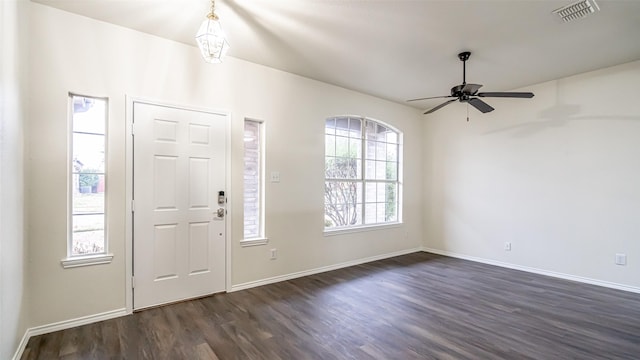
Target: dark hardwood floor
(417, 306)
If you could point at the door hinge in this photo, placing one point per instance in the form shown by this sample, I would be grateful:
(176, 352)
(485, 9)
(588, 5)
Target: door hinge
(133, 282)
(133, 206)
(133, 128)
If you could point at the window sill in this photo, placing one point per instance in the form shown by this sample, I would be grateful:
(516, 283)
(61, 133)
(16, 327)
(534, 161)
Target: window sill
(78, 261)
(359, 229)
(254, 242)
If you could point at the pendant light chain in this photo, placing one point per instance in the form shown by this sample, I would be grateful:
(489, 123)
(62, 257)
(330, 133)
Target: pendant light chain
(212, 15)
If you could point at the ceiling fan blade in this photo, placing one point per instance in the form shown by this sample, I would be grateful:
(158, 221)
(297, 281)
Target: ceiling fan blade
(480, 105)
(470, 89)
(525, 95)
(440, 106)
(433, 97)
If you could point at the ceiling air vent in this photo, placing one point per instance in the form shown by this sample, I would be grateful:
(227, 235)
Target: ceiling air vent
(577, 10)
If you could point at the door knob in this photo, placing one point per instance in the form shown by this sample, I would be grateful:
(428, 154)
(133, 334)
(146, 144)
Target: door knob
(220, 213)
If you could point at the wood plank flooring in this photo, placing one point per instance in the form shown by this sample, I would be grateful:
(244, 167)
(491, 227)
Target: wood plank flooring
(417, 306)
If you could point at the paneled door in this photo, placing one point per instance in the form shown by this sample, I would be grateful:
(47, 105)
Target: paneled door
(179, 208)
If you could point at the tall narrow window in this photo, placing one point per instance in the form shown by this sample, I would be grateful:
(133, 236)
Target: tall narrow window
(87, 180)
(362, 177)
(253, 180)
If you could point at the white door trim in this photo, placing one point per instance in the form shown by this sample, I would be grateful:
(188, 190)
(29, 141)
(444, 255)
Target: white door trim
(129, 101)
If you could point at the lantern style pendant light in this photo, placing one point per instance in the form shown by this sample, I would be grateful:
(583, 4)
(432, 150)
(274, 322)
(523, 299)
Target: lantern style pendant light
(211, 38)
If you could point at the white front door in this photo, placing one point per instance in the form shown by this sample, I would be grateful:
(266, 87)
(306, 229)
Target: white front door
(179, 170)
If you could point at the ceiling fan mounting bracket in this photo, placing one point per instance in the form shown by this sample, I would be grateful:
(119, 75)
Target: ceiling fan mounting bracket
(464, 56)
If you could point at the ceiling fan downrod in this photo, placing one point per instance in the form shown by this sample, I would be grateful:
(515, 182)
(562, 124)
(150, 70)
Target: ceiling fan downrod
(464, 56)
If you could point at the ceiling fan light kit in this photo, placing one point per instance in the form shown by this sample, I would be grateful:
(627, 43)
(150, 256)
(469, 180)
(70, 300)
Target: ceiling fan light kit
(469, 92)
(211, 39)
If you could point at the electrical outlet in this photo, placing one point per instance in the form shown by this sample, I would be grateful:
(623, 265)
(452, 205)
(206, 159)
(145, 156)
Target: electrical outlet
(274, 254)
(275, 176)
(507, 246)
(621, 259)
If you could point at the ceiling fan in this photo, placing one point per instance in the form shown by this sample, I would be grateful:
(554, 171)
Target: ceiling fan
(469, 92)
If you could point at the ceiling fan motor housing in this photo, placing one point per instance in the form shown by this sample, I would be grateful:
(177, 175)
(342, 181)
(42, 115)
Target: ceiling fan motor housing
(465, 89)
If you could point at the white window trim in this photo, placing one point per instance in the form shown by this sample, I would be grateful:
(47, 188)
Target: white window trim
(361, 228)
(72, 261)
(254, 242)
(78, 261)
(378, 226)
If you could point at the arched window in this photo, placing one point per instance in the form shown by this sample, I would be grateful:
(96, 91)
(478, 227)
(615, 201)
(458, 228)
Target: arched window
(362, 173)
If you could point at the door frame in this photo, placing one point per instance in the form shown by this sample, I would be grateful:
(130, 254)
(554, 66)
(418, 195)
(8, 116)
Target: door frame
(129, 105)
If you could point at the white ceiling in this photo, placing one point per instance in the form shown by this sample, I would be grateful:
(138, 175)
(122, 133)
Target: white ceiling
(399, 49)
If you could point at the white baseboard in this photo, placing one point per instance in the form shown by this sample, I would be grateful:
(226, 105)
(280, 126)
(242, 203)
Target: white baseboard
(22, 345)
(298, 274)
(535, 270)
(66, 324)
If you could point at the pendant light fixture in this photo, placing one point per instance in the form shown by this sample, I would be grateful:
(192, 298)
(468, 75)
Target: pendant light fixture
(211, 38)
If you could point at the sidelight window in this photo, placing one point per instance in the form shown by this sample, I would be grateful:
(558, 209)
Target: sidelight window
(254, 233)
(87, 177)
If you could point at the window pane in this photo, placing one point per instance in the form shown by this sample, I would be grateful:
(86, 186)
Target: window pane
(355, 148)
(329, 167)
(370, 150)
(342, 126)
(392, 171)
(252, 196)
(380, 212)
(381, 195)
(342, 146)
(356, 128)
(391, 201)
(88, 234)
(89, 115)
(370, 171)
(370, 213)
(341, 203)
(341, 168)
(392, 152)
(370, 193)
(381, 151)
(329, 145)
(330, 126)
(88, 194)
(370, 131)
(88, 153)
(392, 137)
(381, 170)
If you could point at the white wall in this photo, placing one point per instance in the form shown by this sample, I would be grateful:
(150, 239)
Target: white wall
(557, 176)
(13, 289)
(73, 53)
